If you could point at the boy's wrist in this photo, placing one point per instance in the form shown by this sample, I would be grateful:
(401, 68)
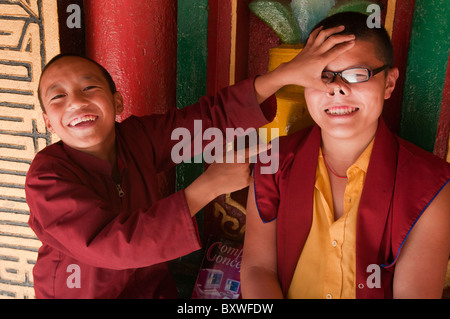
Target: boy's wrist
(268, 84)
(200, 192)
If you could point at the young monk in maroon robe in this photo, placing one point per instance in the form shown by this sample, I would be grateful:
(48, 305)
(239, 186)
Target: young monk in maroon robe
(353, 211)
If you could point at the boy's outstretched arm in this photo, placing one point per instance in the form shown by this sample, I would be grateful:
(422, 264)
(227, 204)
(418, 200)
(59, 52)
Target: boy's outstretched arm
(220, 178)
(306, 68)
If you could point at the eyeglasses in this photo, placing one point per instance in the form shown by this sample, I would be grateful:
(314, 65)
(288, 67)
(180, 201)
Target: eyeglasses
(353, 75)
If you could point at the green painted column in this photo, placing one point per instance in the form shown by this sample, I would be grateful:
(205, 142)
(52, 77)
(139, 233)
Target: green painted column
(425, 73)
(192, 53)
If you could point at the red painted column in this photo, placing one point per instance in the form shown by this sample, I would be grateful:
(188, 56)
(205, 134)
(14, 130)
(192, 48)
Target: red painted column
(404, 12)
(219, 46)
(136, 42)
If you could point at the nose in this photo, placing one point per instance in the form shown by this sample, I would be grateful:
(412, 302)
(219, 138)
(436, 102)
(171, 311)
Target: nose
(78, 99)
(339, 87)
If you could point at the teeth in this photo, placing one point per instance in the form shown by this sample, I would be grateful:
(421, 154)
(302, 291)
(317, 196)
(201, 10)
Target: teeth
(85, 118)
(341, 110)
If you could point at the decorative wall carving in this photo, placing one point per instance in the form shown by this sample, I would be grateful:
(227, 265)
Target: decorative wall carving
(28, 39)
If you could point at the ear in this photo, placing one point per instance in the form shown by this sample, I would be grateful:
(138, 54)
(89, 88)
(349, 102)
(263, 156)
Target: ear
(118, 103)
(391, 80)
(47, 123)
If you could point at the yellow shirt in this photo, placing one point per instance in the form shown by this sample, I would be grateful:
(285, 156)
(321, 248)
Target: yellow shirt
(326, 267)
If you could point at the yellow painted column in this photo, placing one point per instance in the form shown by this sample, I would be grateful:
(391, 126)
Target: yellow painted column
(390, 15)
(29, 38)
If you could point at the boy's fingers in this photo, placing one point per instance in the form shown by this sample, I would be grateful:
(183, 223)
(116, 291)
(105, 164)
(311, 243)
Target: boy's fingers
(335, 41)
(325, 87)
(313, 35)
(324, 34)
(338, 49)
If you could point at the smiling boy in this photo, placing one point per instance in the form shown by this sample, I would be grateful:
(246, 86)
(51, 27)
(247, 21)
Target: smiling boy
(93, 196)
(354, 211)
(89, 128)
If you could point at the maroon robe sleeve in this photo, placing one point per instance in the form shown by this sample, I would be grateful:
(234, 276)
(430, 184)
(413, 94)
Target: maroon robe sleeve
(231, 107)
(76, 219)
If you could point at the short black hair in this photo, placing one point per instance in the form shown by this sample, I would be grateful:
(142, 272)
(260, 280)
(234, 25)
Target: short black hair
(356, 23)
(108, 77)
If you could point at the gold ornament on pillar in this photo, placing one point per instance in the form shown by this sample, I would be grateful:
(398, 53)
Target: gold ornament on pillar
(232, 215)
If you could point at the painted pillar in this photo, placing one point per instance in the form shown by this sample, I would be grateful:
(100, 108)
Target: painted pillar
(192, 51)
(136, 42)
(442, 145)
(426, 72)
(399, 18)
(228, 47)
(192, 54)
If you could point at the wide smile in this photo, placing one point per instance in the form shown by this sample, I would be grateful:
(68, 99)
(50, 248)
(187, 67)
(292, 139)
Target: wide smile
(83, 121)
(341, 110)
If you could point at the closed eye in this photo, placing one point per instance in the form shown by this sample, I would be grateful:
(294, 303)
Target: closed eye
(90, 87)
(59, 96)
